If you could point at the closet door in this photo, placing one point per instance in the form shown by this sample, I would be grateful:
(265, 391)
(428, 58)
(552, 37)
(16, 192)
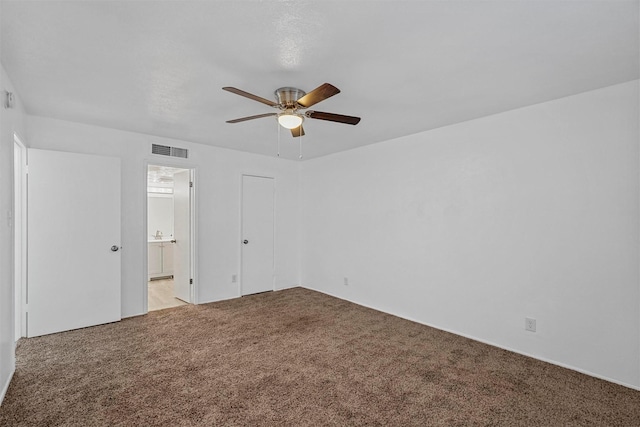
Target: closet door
(257, 234)
(73, 222)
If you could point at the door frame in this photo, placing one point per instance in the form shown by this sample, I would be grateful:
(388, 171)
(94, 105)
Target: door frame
(20, 239)
(194, 227)
(240, 237)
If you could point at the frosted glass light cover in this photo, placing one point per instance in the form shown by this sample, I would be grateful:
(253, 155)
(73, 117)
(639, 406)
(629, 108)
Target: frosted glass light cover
(289, 121)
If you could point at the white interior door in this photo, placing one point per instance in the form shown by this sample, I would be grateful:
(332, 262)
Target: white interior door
(257, 234)
(182, 235)
(73, 203)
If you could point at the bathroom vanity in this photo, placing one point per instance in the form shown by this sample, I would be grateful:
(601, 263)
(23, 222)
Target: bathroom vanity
(160, 259)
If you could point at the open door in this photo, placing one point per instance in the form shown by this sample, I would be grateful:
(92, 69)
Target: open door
(182, 235)
(73, 203)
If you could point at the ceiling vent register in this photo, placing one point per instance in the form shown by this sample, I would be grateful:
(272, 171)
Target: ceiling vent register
(165, 150)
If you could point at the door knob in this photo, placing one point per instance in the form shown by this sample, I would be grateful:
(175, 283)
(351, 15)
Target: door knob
(245, 241)
(114, 248)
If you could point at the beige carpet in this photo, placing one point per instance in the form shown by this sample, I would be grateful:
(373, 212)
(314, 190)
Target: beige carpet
(296, 358)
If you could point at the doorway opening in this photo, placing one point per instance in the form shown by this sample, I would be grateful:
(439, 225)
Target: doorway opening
(169, 237)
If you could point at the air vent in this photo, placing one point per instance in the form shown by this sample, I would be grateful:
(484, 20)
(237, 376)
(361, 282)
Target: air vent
(165, 150)
(179, 152)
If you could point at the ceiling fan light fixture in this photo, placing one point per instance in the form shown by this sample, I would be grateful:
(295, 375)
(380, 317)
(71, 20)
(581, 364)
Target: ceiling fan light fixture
(291, 101)
(290, 120)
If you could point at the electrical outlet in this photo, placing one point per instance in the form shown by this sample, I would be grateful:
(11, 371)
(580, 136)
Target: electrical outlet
(234, 278)
(346, 281)
(529, 324)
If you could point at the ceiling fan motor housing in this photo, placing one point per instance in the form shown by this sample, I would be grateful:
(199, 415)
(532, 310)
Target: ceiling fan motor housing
(287, 97)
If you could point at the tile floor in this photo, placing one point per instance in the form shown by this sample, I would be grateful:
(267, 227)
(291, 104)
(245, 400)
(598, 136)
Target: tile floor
(161, 295)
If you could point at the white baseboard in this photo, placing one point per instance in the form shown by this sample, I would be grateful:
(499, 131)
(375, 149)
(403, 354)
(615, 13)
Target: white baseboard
(553, 362)
(240, 296)
(218, 300)
(6, 386)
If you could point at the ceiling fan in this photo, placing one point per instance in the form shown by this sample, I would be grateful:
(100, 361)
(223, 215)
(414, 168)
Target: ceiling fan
(290, 102)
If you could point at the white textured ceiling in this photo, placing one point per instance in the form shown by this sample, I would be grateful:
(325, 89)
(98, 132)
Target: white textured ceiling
(157, 67)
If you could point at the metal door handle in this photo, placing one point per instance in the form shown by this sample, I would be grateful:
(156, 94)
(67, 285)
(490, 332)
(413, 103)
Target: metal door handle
(245, 241)
(114, 248)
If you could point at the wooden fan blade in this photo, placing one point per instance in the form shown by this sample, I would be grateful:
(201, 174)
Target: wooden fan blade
(250, 96)
(258, 116)
(320, 93)
(350, 120)
(299, 131)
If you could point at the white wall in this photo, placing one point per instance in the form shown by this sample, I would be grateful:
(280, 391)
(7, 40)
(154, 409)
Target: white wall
(473, 227)
(469, 228)
(159, 215)
(11, 120)
(217, 186)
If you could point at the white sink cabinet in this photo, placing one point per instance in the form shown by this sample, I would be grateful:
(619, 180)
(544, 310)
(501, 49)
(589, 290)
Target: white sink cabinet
(160, 259)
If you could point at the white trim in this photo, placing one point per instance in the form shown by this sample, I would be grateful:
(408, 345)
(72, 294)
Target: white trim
(218, 300)
(129, 316)
(273, 230)
(195, 295)
(543, 359)
(20, 315)
(213, 301)
(299, 225)
(178, 163)
(6, 386)
(145, 245)
(294, 285)
(638, 308)
(239, 277)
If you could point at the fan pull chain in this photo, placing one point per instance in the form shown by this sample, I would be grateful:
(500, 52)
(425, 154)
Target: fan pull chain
(278, 124)
(300, 156)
